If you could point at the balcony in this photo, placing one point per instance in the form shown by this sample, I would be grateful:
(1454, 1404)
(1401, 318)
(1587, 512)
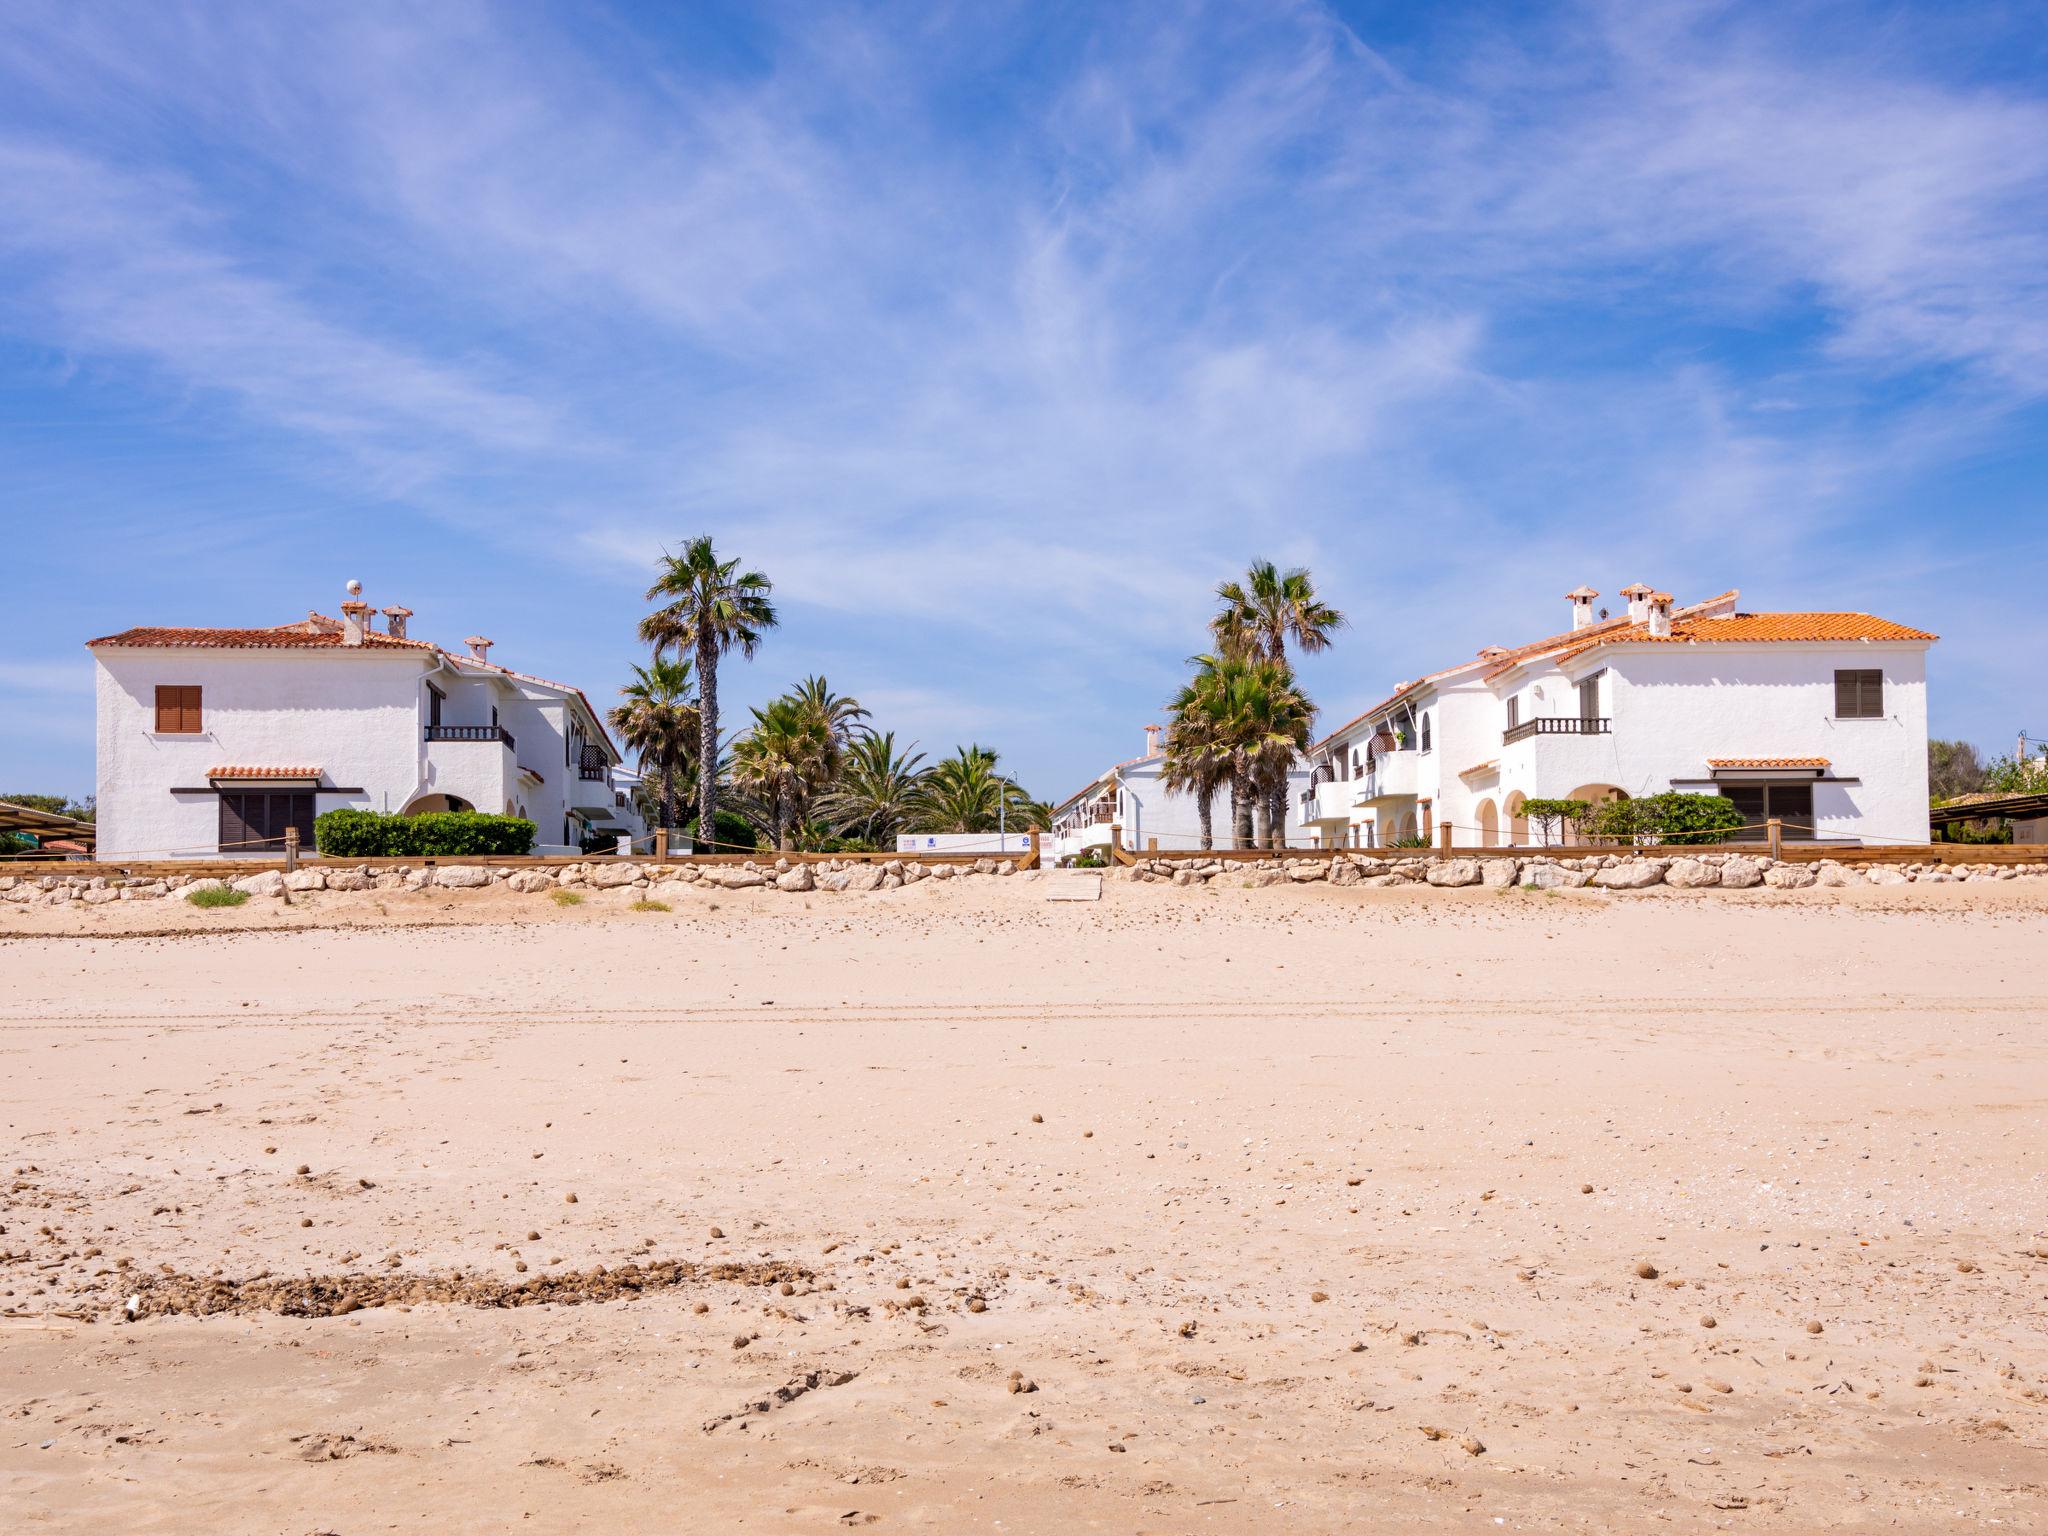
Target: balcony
(1331, 800)
(1556, 725)
(471, 733)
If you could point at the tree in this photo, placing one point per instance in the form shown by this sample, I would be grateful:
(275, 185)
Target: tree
(1554, 816)
(1953, 768)
(2016, 776)
(1670, 817)
(712, 608)
(1259, 616)
(659, 720)
(842, 715)
(877, 790)
(965, 793)
(1197, 761)
(1256, 721)
(789, 751)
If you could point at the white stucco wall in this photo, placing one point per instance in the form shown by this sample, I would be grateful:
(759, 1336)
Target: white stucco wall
(355, 717)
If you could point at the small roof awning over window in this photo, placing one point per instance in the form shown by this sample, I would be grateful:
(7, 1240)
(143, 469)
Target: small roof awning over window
(1737, 769)
(235, 773)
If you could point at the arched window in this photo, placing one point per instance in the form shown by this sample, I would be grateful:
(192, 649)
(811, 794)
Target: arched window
(1423, 726)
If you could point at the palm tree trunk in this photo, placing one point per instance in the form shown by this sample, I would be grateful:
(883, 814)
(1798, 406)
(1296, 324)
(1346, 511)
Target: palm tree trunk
(1241, 807)
(1262, 807)
(707, 739)
(1204, 794)
(784, 843)
(1277, 815)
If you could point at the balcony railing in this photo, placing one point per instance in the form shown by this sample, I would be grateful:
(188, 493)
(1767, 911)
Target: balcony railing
(1556, 725)
(471, 733)
(590, 773)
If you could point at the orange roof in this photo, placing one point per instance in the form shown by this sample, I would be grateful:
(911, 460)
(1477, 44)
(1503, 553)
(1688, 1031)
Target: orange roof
(240, 772)
(314, 632)
(1758, 628)
(1768, 762)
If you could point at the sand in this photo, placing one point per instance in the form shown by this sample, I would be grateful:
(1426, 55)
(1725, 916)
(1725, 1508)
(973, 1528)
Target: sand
(954, 1209)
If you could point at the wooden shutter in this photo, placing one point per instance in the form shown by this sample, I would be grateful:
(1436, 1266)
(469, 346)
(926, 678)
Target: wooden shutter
(177, 709)
(1859, 693)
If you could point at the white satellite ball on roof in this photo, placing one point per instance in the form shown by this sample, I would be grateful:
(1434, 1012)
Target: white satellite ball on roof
(355, 589)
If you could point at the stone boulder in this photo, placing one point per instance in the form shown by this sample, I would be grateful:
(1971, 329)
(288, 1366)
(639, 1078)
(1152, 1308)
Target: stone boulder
(797, 878)
(1783, 877)
(1886, 874)
(1307, 870)
(1497, 874)
(1836, 874)
(462, 877)
(1455, 872)
(203, 883)
(1739, 873)
(531, 882)
(1630, 875)
(609, 876)
(1342, 872)
(1688, 874)
(1552, 877)
(348, 880)
(269, 883)
(305, 880)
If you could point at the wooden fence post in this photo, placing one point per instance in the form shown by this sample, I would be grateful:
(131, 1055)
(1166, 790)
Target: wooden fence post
(1443, 836)
(1151, 845)
(661, 845)
(1032, 856)
(1774, 834)
(291, 848)
(1117, 852)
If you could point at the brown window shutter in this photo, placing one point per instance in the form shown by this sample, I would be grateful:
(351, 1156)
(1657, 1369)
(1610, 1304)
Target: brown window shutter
(1845, 695)
(168, 705)
(177, 709)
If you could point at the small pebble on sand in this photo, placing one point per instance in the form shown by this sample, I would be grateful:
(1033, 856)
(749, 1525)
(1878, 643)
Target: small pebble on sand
(1646, 1270)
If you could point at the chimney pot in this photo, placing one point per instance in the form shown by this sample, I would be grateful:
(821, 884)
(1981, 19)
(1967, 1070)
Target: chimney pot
(353, 627)
(395, 618)
(1582, 606)
(1658, 606)
(1152, 734)
(479, 647)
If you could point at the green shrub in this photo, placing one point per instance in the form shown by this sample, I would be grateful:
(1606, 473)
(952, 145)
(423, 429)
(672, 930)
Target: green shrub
(212, 897)
(562, 898)
(351, 834)
(1665, 818)
(732, 832)
(1553, 819)
(1412, 840)
(644, 905)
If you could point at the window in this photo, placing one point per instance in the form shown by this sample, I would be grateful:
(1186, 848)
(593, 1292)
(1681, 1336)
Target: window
(1790, 803)
(1859, 694)
(435, 699)
(177, 709)
(1514, 710)
(1424, 728)
(253, 820)
(1589, 698)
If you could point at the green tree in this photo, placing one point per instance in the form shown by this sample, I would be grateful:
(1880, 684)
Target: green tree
(1256, 721)
(659, 720)
(877, 789)
(1259, 618)
(1197, 761)
(2013, 776)
(1953, 768)
(1552, 818)
(842, 715)
(712, 608)
(789, 752)
(965, 793)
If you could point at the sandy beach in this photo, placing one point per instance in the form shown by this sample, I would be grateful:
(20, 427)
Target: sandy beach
(954, 1209)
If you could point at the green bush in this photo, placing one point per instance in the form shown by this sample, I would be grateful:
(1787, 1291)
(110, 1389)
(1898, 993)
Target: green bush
(212, 897)
(733, 834)
(350, 834)
(1553, 819)
(1665, 818)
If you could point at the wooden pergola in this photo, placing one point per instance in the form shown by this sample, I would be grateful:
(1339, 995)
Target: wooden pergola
(1993, 808)
(46, 826)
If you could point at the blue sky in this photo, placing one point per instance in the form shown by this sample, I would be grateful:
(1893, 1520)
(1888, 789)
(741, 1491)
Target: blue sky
(997, 334)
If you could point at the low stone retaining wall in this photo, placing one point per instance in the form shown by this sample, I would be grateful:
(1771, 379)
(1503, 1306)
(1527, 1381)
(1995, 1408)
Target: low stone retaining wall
(1616, 872)
(1619, 871)
(601, 874)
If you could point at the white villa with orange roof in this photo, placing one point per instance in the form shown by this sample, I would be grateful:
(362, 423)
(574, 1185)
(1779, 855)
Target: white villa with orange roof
(214, 741)
(1818, 720)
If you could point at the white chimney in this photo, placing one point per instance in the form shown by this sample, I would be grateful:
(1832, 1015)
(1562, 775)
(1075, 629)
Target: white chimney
(1659, 606)
(1582, 606)
(1638, 595)
(353, 613)
(479, 647)
(1152, 735)
(394, 619)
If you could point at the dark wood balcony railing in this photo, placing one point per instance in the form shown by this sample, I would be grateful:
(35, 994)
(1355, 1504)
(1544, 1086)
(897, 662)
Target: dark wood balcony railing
(590, 773)
(471, 733)
(1556, 725)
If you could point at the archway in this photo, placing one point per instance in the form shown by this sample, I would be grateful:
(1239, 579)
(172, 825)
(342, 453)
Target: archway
(429, 803)
(1518, 824)
(1489, 824)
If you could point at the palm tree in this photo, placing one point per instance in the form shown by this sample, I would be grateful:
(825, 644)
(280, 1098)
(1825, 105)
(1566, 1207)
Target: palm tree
(787, 752)
(1197, 762)
(713, 607)
(1258, 617)
(659, 721)
(964, 793)
(843, 716)
(876, 791)
(1258, 721)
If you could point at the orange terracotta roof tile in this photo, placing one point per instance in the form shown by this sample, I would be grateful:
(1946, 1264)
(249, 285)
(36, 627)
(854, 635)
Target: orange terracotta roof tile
(310, 633)
(238, 771)
(1768, 762)
(1759, 628)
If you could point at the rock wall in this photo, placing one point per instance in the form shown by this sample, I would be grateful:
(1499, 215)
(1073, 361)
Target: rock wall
(1618, 871)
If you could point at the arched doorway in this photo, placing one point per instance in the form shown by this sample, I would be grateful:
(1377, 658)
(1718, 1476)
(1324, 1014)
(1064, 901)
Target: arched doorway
(429, 803)
(1489, 824)
(1518, 824)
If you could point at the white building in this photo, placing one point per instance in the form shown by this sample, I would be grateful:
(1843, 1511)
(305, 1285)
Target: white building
(213, 741)
(1818, 719)
(1132, 795)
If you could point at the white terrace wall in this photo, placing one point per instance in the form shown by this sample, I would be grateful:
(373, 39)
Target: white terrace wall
(357, 717)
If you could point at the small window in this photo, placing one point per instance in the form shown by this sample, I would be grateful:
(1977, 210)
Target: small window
(1424, 727)
(1859, 694)
(177, 709)
(1514, 710)
(435, 699)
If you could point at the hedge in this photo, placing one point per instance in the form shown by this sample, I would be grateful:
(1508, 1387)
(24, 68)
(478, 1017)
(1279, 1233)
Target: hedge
(1665, 818)
(733, 832)
(350, 834)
